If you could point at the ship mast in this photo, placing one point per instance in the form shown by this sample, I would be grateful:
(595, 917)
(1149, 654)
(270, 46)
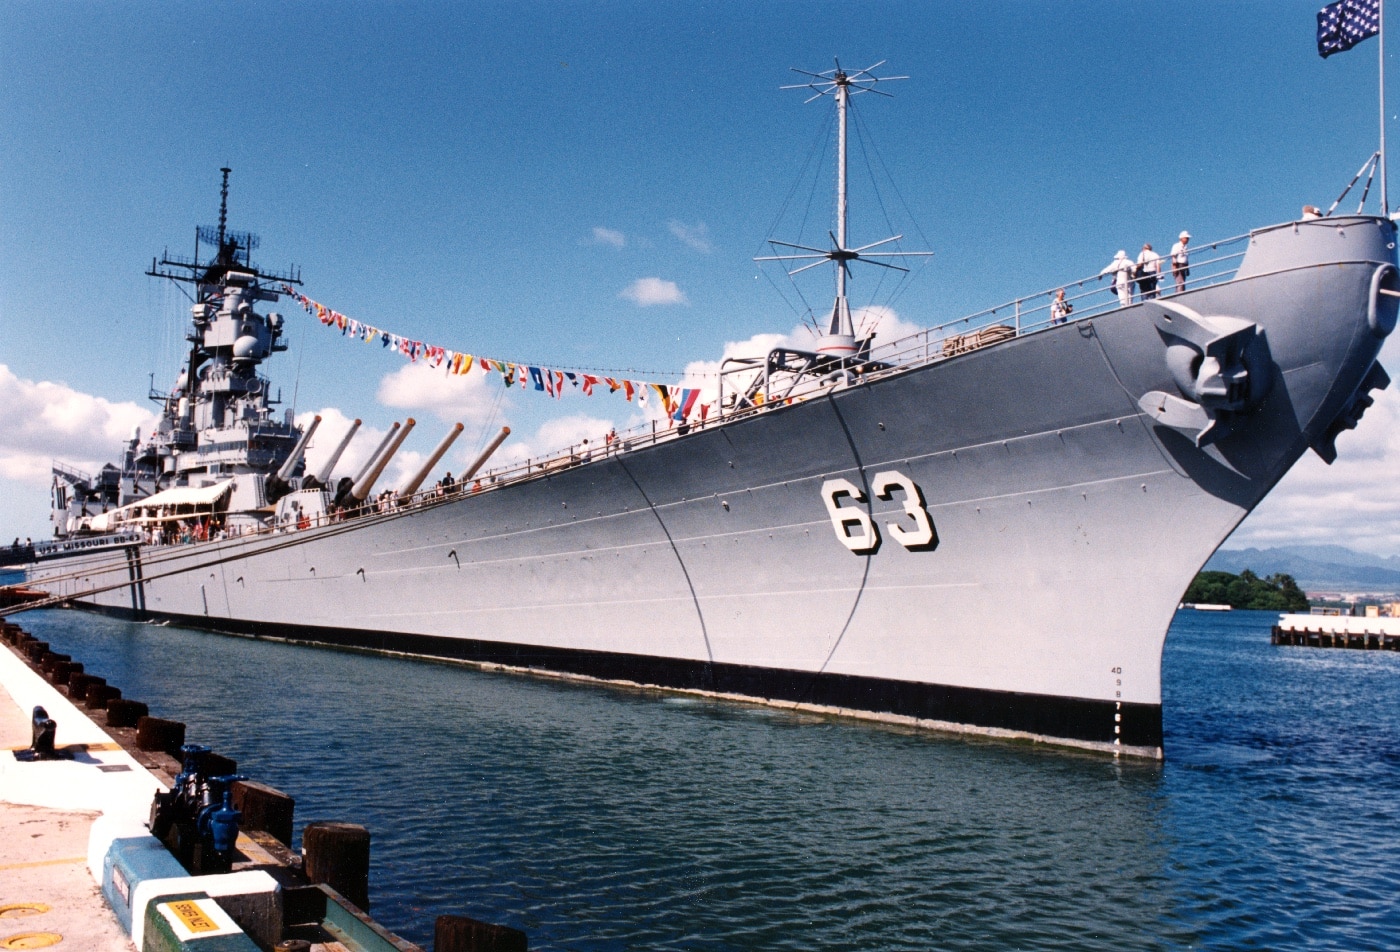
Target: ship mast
(839, 340)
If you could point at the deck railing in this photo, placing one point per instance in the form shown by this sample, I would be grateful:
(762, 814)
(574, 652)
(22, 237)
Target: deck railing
(1211, 264)
(1093, 296)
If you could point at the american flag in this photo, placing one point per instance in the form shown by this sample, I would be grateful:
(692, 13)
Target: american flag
(1343, 24)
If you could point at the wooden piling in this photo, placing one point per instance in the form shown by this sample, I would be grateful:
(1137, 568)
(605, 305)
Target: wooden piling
(78, 685)
(265, 808)
(337, 854)
(98, 696)
(123, 712)
(461, 934)
(217, 765)
(1326, 638)
(156, 733)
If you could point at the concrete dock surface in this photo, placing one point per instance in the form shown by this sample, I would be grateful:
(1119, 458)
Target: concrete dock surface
(48, 895)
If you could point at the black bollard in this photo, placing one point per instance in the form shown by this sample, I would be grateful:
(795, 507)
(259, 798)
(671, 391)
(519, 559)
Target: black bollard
(44, 729)
(337, 854)
(41, 745)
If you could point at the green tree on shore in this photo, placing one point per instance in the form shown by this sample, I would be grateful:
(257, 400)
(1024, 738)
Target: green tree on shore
(1278, 592)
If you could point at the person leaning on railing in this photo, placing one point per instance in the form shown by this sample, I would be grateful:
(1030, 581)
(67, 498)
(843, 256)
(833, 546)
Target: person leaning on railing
(1149, 270)
(1121, 267)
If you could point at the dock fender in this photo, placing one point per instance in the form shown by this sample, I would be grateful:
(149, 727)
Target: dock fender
(1220, 365)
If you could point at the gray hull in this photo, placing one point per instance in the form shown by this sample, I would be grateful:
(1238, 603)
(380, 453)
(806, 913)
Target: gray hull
(1069, 520)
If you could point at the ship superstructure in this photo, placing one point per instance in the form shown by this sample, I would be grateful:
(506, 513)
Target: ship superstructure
(219, 426)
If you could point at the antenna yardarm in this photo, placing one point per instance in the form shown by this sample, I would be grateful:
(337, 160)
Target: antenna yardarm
(839, 339)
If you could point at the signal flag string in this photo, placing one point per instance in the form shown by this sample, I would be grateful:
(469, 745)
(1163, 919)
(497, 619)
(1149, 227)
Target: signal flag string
(680, 403)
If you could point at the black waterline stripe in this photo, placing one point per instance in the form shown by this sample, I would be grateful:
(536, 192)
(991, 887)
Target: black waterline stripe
(1074, 719)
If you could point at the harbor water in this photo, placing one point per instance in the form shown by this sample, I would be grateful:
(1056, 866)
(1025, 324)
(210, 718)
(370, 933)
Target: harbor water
(597, 818)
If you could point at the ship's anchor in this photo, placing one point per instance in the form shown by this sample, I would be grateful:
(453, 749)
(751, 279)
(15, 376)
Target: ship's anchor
(1221, 366)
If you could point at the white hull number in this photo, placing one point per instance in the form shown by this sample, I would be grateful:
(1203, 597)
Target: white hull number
(858, 532)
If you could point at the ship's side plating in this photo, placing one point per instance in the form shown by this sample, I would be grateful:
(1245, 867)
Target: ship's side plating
(1067, 518)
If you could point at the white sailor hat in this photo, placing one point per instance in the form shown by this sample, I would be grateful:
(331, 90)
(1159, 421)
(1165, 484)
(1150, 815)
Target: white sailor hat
(1184, 234)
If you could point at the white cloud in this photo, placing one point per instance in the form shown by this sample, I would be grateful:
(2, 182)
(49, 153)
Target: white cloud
(450, 397)
(557, 436)
(696, 237)
(406, 461)
(886, 324)
(45, 421)
(704, 374)
(334, 425)
(1355, 502)
(609, 236)
(645, 292)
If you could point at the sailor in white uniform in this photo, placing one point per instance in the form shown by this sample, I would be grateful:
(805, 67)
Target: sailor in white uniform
(1121, 267)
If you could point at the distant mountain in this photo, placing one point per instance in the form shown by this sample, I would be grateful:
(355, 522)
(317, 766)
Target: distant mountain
(1315, 567)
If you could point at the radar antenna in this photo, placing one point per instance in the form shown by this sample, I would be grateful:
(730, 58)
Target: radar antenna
(232, 252)
(839, 341)
(223, 204)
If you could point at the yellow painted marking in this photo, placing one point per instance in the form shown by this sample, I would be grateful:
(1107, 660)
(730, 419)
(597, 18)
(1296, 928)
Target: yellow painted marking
(194, 918)
(31, 940)
(41, 862)
(16, 909)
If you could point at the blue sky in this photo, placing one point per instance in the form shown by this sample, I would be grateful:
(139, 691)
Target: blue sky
(495, 176)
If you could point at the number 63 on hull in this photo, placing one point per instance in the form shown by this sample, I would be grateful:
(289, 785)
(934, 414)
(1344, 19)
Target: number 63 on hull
(857, 531)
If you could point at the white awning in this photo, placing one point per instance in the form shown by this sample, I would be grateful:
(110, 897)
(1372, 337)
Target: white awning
(179, 496)
(185, 496)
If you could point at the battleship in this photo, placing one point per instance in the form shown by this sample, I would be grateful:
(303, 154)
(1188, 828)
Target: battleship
(983, 527)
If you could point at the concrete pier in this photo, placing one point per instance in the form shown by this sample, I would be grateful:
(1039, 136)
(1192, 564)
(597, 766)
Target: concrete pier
(47, 810)
(1337, 631)
(84, 866)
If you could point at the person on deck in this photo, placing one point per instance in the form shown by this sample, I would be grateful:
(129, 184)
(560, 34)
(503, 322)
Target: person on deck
(1149, 270)
(1121, 268)
(1181, 261)
(1060, 308)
